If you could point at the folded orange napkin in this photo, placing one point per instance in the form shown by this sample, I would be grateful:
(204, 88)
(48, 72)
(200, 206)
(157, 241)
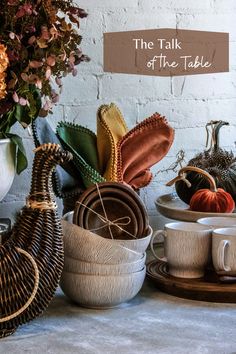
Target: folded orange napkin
(142, 147)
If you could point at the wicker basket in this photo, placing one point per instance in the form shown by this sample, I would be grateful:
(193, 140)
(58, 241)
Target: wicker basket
(31, 260)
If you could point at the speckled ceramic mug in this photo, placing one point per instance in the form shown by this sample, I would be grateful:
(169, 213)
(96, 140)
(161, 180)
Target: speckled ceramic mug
(186, 247)
(224, 250)
(217, 222)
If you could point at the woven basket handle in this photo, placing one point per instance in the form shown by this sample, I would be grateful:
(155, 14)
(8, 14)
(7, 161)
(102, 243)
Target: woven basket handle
(34, 292)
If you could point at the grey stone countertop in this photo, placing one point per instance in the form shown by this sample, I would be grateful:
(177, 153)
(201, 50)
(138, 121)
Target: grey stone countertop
(153, 322)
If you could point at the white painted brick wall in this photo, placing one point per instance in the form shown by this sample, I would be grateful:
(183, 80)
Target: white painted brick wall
(188, 102)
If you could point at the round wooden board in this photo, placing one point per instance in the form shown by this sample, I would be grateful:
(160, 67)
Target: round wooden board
(204, 289)
(170, 206)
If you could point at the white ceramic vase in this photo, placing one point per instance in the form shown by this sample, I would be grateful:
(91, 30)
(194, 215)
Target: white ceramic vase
(8, 166)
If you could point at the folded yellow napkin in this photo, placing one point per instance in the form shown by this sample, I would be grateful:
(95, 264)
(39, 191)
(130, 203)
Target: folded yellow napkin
(111, 127)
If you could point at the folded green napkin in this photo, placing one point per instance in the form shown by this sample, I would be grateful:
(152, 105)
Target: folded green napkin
(82, 143)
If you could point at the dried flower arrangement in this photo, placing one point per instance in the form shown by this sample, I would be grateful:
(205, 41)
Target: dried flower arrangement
(39, 45)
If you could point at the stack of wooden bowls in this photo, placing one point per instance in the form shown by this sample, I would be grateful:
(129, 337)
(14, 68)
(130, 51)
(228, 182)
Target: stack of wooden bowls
(100, 271)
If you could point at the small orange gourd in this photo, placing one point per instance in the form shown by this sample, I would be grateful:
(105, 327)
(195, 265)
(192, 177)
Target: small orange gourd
(207, 200)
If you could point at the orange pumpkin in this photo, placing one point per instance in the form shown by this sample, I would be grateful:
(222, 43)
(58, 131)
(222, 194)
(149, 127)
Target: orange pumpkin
(212, 201)
(207, 200)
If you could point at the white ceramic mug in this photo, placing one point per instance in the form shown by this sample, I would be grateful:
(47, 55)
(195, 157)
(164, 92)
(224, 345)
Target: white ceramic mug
(217, 222)
(224, 250)
(186, 247)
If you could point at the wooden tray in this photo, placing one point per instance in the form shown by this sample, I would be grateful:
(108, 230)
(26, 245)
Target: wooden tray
(172, 207)
(204, 289)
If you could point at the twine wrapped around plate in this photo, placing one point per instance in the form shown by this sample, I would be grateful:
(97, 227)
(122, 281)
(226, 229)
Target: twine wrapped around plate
(34, 245)
(123, 215)
(108, 223)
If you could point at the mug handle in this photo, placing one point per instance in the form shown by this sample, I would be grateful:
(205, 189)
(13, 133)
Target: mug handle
(157, 234)
(221, 256)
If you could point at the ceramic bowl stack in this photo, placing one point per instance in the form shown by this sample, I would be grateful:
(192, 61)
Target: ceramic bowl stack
(100, 271)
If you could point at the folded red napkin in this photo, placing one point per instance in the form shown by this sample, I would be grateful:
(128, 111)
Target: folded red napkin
(142, 147)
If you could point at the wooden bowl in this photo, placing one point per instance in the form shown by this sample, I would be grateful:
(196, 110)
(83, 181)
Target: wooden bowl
(114, 194)
(83, 245)
(172, 207)
(116, 209)
(113, 198)
(101, 291)
(76, 266)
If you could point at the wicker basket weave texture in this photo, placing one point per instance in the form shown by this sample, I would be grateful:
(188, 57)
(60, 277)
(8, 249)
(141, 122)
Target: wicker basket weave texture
(31, 261)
